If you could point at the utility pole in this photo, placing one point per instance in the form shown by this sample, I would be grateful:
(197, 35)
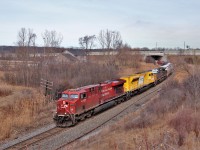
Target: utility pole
(47, 86)
(184, 45)
(44, 59)
(44, 49)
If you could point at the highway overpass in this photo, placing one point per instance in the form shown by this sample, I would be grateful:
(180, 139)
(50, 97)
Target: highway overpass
(155, 54)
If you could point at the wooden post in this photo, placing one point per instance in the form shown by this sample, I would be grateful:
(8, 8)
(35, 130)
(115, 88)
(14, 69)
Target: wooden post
(47, 85)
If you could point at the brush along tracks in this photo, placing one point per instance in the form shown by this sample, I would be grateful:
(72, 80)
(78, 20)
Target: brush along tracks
(58, 137)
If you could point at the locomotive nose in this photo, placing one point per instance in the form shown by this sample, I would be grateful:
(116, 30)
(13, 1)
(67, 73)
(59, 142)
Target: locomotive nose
(62, 107)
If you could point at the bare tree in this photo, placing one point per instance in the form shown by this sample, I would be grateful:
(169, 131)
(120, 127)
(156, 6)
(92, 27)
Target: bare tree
(22, 37)
(52, 38)
(26, 37)
(26, 43)
(31, 38)
(127, 57)
(110, 39)
(87, 42)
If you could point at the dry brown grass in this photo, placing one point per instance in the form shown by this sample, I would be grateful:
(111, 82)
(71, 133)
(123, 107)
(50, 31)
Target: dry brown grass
(21, 110)
(158, 135)
(5, 91)
(169, 122)
(1, 74)
(182, 68)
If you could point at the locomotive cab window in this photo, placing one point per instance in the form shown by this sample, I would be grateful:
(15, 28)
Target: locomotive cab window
(74, 96)
(151, 74)
(65, 96)
(83, 95)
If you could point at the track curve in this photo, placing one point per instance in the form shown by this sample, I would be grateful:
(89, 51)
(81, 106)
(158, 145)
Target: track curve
(58, 137)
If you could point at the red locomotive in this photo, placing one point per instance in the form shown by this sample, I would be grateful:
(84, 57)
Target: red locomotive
(78, 104)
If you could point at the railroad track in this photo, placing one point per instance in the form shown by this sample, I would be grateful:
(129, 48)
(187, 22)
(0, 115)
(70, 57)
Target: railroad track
(138, 106)
(56, 138)
(35, 139)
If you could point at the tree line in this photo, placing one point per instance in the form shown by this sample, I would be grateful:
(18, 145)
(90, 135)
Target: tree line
(107, 39)
(27, 37)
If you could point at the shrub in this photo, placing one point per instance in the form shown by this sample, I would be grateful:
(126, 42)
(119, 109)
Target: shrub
(183, 123)
(125, 57)
(142, 121)
(62, 74)
(169, 100)
(5, 91)
(191, 86)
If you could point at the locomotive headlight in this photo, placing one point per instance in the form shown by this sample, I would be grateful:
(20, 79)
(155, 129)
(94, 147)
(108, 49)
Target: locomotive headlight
(65, 113)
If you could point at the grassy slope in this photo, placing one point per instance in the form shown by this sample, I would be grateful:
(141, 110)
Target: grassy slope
(20, 109)
(158, 133)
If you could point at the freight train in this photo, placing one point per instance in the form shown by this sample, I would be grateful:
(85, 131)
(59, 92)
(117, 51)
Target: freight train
(81, 103)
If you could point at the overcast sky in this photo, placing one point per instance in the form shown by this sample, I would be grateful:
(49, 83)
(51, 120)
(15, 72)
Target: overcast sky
(141, 23)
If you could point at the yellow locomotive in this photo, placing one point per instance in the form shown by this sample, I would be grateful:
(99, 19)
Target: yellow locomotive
(138, 81)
